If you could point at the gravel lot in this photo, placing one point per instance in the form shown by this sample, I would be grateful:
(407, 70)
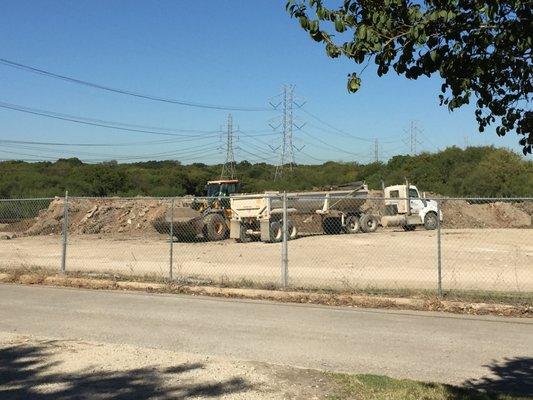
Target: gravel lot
(43, 368)
(485, 259)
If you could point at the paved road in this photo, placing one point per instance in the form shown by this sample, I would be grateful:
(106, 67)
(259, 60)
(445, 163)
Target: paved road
(425, 346)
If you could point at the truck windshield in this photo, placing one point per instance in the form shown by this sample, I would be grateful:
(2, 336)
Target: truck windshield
(413, 193)
(213, 190)
(220, 190)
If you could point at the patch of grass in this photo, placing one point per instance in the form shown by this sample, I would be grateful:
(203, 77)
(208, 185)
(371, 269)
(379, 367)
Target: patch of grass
(376, 387)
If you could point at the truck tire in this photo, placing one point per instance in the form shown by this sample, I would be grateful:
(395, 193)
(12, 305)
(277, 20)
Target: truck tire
(276, 232)
(369, 223)
(431, 221)
(215, 227)
(243, 237)
(353, 224)
(292, 231)
(332, 226)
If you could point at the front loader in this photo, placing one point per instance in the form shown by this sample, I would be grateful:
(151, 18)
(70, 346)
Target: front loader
(207, 216)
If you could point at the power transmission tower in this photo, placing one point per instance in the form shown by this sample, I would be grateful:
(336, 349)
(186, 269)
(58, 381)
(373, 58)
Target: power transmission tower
(228, 169)
(287, 147)
(376, 150)
(413, 138)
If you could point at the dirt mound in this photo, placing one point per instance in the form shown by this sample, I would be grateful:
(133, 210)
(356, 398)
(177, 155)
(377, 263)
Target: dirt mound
(99, 216)
(462, 214)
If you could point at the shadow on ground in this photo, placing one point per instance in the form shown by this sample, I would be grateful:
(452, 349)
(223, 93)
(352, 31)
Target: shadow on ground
(26, 373)
(510, 376)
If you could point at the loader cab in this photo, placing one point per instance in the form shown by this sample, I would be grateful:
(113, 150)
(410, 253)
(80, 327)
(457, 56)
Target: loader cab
(222, 188)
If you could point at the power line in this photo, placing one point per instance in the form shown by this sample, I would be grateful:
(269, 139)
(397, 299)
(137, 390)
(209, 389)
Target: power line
(188, 103)
(255, 155)
(185, 152)
(60, 144)
(336, 129)
(88, 121)
(329, 145)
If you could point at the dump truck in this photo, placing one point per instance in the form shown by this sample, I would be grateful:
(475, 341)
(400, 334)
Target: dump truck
(261, 216)
(341, 211)
(207, 216)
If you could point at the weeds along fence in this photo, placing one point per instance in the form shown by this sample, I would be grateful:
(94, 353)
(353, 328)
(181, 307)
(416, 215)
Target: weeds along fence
(299, 242)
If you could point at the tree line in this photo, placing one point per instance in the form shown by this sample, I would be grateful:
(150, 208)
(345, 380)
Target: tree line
(475, 171)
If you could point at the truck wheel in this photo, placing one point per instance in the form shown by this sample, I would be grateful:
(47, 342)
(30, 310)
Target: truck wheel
(276, 232)
(352, 224)
(292, 231)
(430, 221)
(369, 223)
(215, 227)
(409, 228)
(243, 238)
(332, 226)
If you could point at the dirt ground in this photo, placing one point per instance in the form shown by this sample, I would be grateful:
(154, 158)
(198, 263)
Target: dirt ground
(477, 259)
(42, 368)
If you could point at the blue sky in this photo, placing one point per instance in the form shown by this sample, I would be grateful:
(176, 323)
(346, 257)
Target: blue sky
(218, 52)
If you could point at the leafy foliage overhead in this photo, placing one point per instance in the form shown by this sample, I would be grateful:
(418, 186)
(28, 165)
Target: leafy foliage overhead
(481, 48)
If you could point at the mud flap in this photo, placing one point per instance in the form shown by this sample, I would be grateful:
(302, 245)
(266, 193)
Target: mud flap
(235, 230)
(264, 225)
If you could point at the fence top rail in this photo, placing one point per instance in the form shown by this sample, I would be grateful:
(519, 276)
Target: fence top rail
(270, 195)
(28, 199)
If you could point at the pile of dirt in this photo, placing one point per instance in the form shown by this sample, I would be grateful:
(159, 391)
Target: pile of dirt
(116, 215)
(462, 214)
(109, 215)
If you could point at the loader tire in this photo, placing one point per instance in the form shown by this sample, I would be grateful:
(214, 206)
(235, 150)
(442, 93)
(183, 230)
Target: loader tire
(369, 223)
(215, 227)
(332, 226)
(430, 221)
(353, 224)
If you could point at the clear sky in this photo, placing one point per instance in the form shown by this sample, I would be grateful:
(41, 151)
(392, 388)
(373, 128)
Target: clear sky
(229, 52)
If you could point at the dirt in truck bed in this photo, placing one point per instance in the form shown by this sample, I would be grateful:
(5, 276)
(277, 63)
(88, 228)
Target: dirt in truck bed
(115, 215)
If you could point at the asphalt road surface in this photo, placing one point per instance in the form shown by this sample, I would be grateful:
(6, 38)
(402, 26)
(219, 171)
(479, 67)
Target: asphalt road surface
(419, 345)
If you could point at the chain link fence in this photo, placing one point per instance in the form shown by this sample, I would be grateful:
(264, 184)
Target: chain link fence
(299, 241)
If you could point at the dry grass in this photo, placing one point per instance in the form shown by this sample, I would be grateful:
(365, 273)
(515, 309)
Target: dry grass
(502, 305)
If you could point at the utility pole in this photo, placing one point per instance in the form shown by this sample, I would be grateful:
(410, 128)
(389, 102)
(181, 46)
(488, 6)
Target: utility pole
(286, 160)
(228, 169)
(376, 150)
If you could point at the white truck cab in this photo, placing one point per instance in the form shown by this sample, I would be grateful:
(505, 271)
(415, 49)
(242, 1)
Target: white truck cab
(408, 209)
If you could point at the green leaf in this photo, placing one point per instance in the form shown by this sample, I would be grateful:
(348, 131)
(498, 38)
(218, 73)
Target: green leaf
(339, 25)
(354, 83)
(304, 22)
(361, 32)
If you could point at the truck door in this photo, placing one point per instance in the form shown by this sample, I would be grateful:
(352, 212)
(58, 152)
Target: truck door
(417, 204)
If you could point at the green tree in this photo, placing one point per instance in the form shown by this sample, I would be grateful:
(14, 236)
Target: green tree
(477, 47)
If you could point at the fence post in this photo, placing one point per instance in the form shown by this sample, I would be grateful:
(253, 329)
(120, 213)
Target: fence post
(284, 246)
(171, 255)
(439, 253)
(64, 235)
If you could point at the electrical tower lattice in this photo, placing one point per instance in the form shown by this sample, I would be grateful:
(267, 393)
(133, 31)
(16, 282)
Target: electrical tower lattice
(228, 169)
